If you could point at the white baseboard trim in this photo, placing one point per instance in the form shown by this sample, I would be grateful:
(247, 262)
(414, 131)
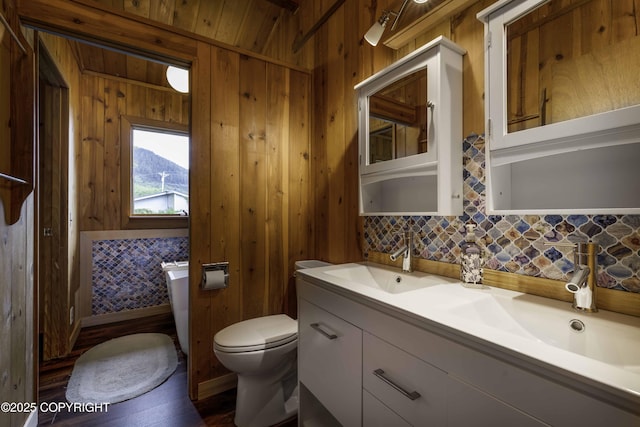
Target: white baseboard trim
(103, 319)
(217, 385)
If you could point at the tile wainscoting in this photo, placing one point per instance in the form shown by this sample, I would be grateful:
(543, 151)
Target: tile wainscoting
(515, 243)
(120, 270)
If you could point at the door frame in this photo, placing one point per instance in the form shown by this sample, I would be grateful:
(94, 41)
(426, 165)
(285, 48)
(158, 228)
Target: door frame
(83, 20)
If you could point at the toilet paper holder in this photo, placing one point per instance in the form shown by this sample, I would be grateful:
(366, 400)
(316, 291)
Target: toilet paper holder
(208, 269)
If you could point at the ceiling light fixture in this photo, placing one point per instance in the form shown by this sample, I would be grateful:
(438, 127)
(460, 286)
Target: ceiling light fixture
(178, 78)
(374, 34)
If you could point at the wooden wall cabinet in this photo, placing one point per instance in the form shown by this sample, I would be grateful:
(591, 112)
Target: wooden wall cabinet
(410, 134)
(562, 107)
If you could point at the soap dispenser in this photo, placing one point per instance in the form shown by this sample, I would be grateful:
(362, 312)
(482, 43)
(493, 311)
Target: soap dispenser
(471, 260)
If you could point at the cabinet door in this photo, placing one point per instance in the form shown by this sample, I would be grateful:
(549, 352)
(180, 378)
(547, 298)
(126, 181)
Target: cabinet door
(376, 414)
(410, 387)
(330, 361)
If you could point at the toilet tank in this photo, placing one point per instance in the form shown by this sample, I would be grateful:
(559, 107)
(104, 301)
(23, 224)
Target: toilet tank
(177, 276)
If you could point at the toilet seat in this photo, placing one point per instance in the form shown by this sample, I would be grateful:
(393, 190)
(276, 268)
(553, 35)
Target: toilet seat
(256, 334)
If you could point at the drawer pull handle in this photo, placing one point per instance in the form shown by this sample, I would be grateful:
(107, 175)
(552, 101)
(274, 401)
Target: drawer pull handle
(413, 395)
(317, 327)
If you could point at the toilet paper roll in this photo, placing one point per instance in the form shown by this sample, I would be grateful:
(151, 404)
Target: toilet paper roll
(214, 279)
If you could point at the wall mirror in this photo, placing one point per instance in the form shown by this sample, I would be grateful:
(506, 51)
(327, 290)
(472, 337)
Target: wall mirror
(410, 134)
(567, 60)
(562, 102)
(398, 119)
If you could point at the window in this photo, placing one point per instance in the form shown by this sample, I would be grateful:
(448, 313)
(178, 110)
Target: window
(155, 174)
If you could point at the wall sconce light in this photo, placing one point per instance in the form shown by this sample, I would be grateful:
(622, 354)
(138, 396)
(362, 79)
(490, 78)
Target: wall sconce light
(374, 34)
(178, 78)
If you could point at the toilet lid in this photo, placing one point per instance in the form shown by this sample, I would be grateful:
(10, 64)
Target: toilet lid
(257, 334)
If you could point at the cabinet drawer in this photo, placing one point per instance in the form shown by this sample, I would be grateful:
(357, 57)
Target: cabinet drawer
(330, 361)
(375, 414)
(403, 375)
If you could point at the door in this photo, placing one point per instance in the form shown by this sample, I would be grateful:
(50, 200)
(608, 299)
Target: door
(53, 105)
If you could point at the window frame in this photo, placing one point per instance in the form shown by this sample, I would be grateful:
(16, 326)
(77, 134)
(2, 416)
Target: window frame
(128, 219)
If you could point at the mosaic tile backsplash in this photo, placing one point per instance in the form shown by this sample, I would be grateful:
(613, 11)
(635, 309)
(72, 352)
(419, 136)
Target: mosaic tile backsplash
(126, 273)
(515, 243)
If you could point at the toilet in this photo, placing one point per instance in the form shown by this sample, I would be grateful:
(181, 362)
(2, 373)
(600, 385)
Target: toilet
(177, 279)
(263, 353)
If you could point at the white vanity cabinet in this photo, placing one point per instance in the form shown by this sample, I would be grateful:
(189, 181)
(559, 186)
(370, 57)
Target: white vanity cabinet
(432, 376)
(341, 362)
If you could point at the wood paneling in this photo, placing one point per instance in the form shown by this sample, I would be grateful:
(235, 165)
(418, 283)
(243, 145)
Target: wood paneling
(253, 180)
(16, 313)
(108, 29)
(253, 176)
(21, 316)
(105, 101)
(253, 25)
(201, 248)
(341, 60)
(468, 32)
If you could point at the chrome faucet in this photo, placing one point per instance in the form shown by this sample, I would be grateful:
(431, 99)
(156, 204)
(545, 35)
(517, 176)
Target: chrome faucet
(583, 281)
(405, 250)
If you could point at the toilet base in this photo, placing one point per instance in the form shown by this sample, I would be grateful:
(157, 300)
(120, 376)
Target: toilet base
(263, 401)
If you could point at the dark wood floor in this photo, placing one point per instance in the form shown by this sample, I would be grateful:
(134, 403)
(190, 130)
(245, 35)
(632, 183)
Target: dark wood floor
(166, 405)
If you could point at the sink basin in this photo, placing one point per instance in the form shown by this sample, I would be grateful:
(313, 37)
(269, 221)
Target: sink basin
(604, 336)
(390, 280)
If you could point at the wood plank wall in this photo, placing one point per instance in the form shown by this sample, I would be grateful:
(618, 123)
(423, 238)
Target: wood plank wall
(343, 59)
(104, 102)
(17, 316)
(250, 179)
(17, 344)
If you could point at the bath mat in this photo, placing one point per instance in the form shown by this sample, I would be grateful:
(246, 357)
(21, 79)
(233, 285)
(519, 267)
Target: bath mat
(122, 368)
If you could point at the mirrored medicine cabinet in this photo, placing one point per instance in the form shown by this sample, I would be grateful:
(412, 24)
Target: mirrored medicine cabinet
(562, 104)
(410, 134)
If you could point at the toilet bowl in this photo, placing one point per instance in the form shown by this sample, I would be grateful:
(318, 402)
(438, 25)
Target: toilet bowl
(177, 278)
(263, 353)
